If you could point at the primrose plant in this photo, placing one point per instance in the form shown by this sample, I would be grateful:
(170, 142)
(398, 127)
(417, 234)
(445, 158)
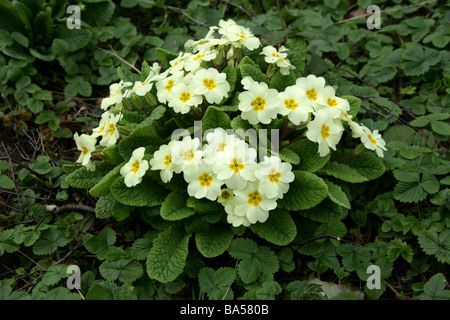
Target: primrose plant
(235, 87)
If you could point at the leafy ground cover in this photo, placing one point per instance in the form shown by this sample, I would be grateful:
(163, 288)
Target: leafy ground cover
(344, 212)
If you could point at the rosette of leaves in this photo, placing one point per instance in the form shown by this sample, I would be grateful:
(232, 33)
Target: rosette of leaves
(319, 195)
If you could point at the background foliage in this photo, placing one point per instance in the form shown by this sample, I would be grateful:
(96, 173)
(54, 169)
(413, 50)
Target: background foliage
(52, 80)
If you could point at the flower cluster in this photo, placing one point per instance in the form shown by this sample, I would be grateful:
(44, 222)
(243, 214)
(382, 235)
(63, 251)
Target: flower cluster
(225, 169)
(310, 101)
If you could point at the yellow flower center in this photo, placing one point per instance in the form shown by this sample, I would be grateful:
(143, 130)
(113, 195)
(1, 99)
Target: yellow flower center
(188, 155)
(135, 167)
(291, 104)
(274, 176)
(275, 55)
(112, 129)
(169, 85)
(332, 102)
(209, 83)
(100, 130)
(258, 104)
(254, 198)
(85, 150)
(221, 146)
(372, 139)
(168, 159)
(241, 36)
(325, 131)
(282, 60)
(199, 56)
(237, 165)
(311, 94)
(185, 96)
(115, 93)
(205, 179)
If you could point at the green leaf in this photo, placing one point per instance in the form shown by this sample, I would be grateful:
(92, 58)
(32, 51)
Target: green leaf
(125, 270)
(337, 195)
(310, 160)
(419, 60)
(306, 191)
(231, 73)
(442, 128)
(297, 55)
(101, 244)
(143, 135)
(279, 228)
(142, 246)
(352, 256)
(107, 207)
(214, 242)
(167, 258)
(146, 193)
(214, 118)
(97, 292)
(6, 182)
(102, 187)
(288, 155)
(325, 211)
(77, 84)
(55, 274)
(203, 205)
(436, 244)
(410, 189)
(84, 179)
(366, 164)
(255, 260)
(50, 240)
(360, 168)
(396, 248)
(174, 207)
(165, 56)
(58, 294)
(268, 290)
(76, 38)
(279, 81)
(6, 242)
(216, 283)
(355, 104)
(42, 165)
(434, 289)
(254, 72)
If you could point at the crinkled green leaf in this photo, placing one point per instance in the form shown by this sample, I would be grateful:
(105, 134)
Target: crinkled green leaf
(337, 195)
(147, 193)
(254, 72)
(174, 207)
(306, 191)
(82, 178)
(102, 187)
(167, 258)
(215, 118)
(214, 242)
(279, 228)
